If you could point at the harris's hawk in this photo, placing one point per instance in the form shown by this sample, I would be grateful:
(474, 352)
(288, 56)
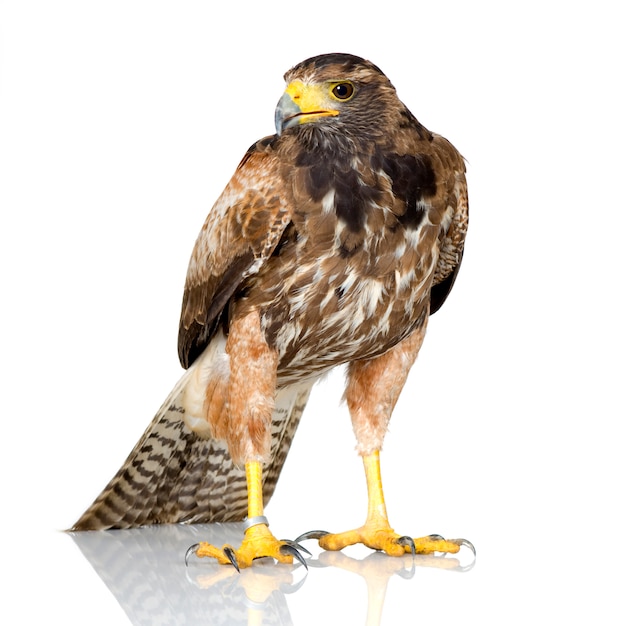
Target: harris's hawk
(333, 242)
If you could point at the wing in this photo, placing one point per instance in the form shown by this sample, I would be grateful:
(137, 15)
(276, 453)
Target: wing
(453, 242)
(239, 235)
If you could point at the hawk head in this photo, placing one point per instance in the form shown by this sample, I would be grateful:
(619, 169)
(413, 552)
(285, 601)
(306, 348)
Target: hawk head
(338, 92)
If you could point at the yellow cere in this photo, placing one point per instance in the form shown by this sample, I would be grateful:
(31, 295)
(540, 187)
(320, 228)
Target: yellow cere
(312, 100)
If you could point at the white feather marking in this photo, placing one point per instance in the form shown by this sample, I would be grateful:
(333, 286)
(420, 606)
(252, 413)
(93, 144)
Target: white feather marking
(328, 201)
(412, 237)
(424, 206)
(400, 250)
(213, 362)
(350, 279)
(371, 295)
(288, 334)
(404, 280)
(356, 320)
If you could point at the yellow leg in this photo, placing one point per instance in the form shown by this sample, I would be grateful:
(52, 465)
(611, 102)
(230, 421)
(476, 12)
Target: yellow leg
(376, 533)
(376, 509)
(258, 541)
(254, 482)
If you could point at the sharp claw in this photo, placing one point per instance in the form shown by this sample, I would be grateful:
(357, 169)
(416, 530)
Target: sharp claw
(289, 549)
(230, 553)
(407, 541)
(312, 534)
(436, 537)
(190, 549)
(466, 543)
(296, 545)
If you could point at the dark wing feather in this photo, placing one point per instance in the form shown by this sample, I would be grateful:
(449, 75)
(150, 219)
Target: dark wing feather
(453, 241)
(240, 233)
(440, 292)
(210, 299)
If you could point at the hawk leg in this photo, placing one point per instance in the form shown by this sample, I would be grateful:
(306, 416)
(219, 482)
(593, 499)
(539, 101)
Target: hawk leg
(246, 429)
(371, 393)
(377, 533)
(258, 540)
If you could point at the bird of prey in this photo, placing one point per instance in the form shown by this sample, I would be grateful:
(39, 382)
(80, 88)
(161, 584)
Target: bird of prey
(333, 242)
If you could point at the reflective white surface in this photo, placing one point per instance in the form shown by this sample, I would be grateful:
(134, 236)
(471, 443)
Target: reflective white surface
(139, 577)
(145, 572)
(120, 123)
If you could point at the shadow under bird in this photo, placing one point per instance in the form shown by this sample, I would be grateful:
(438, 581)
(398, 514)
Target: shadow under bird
(333, 242)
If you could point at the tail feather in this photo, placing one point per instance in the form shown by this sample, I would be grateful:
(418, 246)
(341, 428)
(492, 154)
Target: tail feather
(173, 475)
(290, 404)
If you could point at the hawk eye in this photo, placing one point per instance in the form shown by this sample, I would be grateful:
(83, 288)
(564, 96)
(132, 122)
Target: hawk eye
(343, 91)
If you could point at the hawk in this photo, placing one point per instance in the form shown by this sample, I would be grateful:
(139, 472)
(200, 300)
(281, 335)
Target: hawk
(333, 242)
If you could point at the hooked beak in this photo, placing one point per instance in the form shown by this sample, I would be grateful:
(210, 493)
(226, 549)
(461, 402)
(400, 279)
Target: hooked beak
(287, 113)
(301, 104)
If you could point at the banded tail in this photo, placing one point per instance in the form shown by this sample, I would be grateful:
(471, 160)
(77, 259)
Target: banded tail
(173, 475)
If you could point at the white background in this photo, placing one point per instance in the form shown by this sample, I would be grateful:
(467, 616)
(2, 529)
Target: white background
(121, 122)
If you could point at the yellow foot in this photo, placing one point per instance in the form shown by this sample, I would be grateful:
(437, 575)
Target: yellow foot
(258, 543)
(385, 539)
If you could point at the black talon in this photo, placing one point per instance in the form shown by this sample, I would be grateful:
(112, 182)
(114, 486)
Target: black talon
(296, 545)
(436, 537)
(466, 543)
(407, 541)
(312, 534)
(289, 549)
(230, 553)
(190, 549)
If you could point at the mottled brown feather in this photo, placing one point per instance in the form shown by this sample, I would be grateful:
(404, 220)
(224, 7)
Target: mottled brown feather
(239, 234)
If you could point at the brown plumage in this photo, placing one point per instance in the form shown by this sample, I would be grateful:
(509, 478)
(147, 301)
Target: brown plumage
(332, 243)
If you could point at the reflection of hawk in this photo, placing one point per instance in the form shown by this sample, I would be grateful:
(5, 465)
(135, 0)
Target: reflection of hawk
(332, 243)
